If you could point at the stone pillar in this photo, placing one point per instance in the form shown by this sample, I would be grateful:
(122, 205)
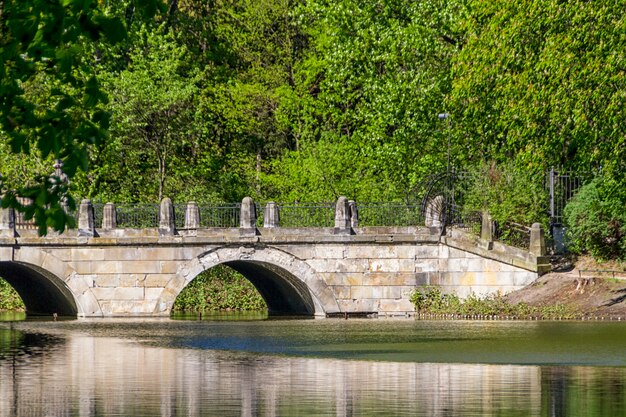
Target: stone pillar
(247, 217)
(354, 214)
(86, 221)
(342, 216)
(109, 217)
(271, 217)
(7, 222)
(167, 226)
(537, 240)
(486, 231)
(192, 216)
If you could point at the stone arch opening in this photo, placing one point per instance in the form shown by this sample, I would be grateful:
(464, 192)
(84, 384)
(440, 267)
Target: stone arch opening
(283, 293)
(41, 291)
(288, 285)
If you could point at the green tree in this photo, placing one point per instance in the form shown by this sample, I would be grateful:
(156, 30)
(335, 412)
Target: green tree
(152, 124)
(367, 95)
(542, 82)
(50, 98)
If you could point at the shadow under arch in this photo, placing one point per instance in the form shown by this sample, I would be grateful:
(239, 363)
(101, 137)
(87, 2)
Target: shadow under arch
(42, 292)
(288, 285)
(283, 293)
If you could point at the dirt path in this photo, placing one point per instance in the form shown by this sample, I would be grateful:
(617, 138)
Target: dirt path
(581, 286)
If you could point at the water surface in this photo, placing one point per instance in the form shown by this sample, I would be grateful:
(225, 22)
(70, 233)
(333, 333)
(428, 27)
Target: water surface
(224, 367)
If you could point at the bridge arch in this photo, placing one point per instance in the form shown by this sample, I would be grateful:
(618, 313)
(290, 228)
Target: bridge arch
(288, 284)
(47, 285)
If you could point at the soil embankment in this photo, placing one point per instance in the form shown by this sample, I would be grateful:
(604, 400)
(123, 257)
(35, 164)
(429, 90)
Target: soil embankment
(590, 288)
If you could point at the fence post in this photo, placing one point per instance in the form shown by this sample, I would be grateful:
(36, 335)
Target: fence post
(7, 222)
(342, 217)
(486, 231)
(109, 217)
(354, 214)
(192, 216)
(271, 217)
(537, 240)
(551, 181)
(167, 224)
(86, 221)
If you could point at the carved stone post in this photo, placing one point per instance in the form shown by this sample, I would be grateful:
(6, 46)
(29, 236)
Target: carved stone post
(86, 221)
(271, 217)
(247, 217)
(537, 240)
(354, 214)
(434, 211)
(109, 217)
(7, 222)
(167, 225)
(192, 216)
(342, 216)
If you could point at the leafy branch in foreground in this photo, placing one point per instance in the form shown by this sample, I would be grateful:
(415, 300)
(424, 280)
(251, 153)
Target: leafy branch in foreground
(50, 98)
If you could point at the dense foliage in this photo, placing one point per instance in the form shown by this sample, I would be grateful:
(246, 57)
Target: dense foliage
(305, 99)
(507, 192)
(219, 288)
(9, 299)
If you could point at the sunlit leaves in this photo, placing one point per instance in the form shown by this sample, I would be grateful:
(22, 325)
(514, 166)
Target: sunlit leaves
(542, 82)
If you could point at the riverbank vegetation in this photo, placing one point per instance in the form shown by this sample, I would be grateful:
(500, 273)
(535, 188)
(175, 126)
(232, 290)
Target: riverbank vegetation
(431, 301)
(308, 100)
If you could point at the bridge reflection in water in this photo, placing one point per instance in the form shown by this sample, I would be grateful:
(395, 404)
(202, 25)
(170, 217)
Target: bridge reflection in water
(83, 375)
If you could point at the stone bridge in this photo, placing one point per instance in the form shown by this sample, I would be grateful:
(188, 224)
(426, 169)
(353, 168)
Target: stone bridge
(317, 271)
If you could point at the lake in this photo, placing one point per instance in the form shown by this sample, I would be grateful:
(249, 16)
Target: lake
(233, 365)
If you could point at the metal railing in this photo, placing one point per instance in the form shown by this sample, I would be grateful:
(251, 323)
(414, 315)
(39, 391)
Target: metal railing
(303, 215)
(20, 218)
(219, 215)
(389, 214)
(136, 216)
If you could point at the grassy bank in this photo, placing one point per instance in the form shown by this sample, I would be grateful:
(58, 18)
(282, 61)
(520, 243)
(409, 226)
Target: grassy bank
(430, 301)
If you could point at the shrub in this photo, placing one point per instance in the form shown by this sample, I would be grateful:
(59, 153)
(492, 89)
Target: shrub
(430, 300)
(596, 220)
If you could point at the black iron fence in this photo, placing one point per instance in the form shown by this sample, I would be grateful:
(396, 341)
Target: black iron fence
(136, 216)
(302, 214)
(389, 214)
(439, 200)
